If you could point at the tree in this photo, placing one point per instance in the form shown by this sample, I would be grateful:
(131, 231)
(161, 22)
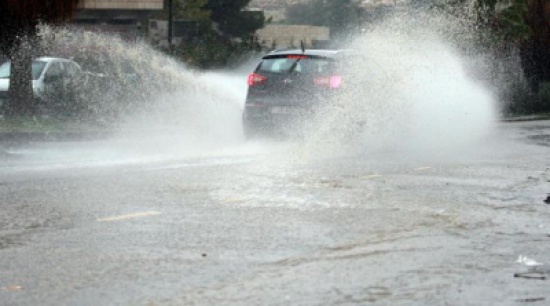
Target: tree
(185, 9)
(226, 31)
(232, 19)
(535, 50)
(339, 15)
(19, 20)
(524, 24)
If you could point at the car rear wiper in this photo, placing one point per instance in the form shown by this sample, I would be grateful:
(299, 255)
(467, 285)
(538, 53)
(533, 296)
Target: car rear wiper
(293, 66)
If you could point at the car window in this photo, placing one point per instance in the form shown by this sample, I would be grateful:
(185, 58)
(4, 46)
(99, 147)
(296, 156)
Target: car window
(37, 68)
(71, 69)
(316, 66)
(276, 65)
(55, 70)
(302, 65)
(5, 70)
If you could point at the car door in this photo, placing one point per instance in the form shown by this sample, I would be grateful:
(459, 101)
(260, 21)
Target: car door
(54, 87)
(74, 80)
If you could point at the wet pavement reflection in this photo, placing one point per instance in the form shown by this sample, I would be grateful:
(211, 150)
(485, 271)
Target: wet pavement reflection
(265, 222)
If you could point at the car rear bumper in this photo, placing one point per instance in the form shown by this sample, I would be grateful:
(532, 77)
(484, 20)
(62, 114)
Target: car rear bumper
(276, 120)
(274, 115)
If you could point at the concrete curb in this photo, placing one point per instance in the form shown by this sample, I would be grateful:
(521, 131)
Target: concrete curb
(36, 136)
(74, 136)
(526, 118)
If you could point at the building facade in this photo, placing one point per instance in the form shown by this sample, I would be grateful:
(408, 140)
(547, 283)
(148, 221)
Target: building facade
(123, 17)
(276, 36)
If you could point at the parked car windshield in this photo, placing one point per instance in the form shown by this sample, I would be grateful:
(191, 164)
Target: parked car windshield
(306, 65)
(37, 68)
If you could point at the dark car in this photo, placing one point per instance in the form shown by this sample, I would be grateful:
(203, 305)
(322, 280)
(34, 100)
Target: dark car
(288, 87)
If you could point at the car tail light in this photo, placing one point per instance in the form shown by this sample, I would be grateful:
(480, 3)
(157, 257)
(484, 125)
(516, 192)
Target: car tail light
(255, 79)
(297, 56)
(334, 81)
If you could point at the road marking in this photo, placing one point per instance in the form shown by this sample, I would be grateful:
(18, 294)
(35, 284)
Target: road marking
(233, 200)
(371, 176)
(12, 288)
(423, 168)
(129, 216)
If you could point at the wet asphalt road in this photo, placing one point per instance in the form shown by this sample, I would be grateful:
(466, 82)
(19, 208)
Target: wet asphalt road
(260, 225)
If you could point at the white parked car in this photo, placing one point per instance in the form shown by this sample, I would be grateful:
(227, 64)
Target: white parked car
(55, 81)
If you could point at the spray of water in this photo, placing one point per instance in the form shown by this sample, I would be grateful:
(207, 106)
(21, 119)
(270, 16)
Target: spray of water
(407, 91)
(156, 106)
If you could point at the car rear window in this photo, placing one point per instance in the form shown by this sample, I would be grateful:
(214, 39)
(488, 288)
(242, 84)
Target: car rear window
(303, 64)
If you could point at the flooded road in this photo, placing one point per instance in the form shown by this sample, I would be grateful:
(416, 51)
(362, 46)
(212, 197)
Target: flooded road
(274, 223)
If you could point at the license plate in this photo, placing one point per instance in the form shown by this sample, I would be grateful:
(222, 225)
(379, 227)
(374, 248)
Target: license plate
(282, 110)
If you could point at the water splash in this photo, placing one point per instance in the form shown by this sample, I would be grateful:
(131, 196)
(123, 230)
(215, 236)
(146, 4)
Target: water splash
(154, 104)
(408, 92)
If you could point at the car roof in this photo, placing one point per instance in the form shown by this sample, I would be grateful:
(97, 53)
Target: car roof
(49, 59)
(309, 52)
